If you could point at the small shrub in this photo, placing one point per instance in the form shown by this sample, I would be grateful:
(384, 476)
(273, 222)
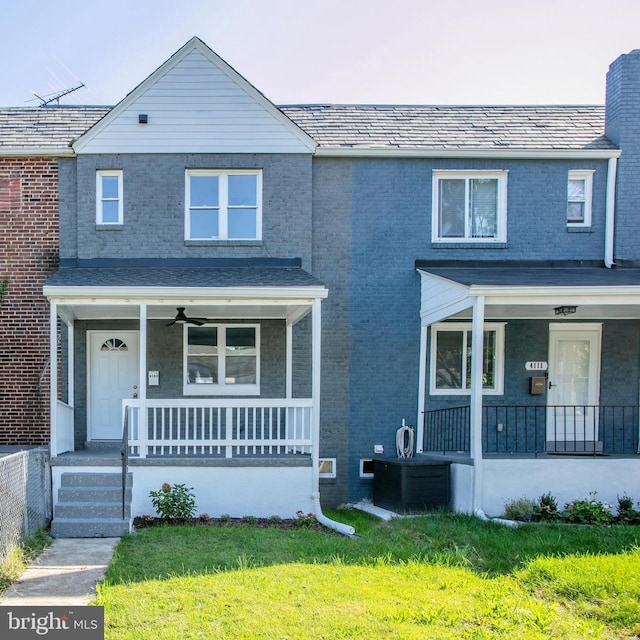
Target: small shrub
(587, 511)
(225, 517)
(304, 519)
(519, 509)
(174, 502)
(249, 519)
(626, 513)
(275, 520)
(547, 508)
(204, 518)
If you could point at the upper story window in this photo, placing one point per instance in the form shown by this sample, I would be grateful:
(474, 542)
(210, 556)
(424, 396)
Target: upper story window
(222, 359)
(469, 206)
(451, 359)
(223, 205)
(109, 208)
(579, 192)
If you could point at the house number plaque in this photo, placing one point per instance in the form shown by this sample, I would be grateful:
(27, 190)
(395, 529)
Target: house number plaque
(536, 366)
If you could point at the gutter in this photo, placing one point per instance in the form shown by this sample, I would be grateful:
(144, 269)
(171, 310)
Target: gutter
(610, 214)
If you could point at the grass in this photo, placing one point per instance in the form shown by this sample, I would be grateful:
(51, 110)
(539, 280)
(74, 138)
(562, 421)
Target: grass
(441, 576)
(17, 560)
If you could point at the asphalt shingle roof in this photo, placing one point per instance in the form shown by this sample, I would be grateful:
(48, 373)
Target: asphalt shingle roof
(390, 127)
(453, 127)
(42, 128)
(214, 277)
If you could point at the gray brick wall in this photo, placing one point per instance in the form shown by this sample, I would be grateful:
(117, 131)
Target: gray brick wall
(153, 195)
(623, 128)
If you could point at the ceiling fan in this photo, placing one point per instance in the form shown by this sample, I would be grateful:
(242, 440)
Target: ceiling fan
(181, 318)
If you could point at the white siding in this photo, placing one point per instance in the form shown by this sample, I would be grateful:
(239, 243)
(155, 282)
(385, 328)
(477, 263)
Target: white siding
(195, 105)
(441, 298)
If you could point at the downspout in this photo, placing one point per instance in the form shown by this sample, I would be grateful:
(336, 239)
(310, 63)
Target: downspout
(610, 214)
(316, 351)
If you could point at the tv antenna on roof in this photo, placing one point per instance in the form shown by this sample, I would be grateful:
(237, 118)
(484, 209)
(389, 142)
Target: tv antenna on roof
(55, 97)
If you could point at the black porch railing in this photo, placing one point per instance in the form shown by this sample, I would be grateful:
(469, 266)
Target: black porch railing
(537, 429)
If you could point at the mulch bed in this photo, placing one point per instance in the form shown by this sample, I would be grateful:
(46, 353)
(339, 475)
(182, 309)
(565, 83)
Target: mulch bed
(304, 522)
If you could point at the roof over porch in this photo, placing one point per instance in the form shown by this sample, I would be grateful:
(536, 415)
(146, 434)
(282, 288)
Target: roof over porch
(527, 290)
(234, 288)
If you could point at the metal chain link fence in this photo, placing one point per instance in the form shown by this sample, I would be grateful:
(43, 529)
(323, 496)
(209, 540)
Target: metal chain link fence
(25, 496)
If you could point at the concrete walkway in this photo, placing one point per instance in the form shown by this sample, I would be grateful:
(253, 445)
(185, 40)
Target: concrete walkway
(65, 574)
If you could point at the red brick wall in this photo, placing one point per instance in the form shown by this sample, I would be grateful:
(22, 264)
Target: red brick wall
(28, 255)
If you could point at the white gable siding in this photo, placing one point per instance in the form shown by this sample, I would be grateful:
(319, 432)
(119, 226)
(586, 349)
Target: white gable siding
(195, 107)
(441, 298)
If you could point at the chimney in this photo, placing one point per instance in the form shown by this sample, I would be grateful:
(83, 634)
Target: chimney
(622, 115)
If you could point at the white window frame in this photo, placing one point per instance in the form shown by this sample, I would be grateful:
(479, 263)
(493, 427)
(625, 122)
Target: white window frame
(587, 176)
(501, 214)
(221, 388)
(223, 204)
(497, 327)
(101, 173)
(323, 463)
(363, 473)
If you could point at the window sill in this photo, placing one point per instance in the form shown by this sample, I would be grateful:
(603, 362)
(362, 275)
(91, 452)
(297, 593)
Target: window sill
(469, 245)
(109, 227)
(577, 229)
(223, 243)
(221, 390)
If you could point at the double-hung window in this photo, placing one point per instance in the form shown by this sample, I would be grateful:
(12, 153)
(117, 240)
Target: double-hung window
(109, 208)
(222, 359)
(579, 190)
(469, 206)
(223, 205)
(450, 370)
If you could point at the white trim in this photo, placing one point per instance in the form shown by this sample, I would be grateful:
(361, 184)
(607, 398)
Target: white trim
(223, 206)
(71, 363)
(586, 175)
(53, 377)
(171, 295)
(289, 360)
(515, 154)
(610, 214)
(221, 388)
(39, 152)
(109, 173)
(362, 472)
(501, 208)
(316, 359)
(441, 327)
(422, 391)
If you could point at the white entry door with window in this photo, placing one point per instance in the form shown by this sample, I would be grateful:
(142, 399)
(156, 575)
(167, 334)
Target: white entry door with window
(113, 375)
(574, 386)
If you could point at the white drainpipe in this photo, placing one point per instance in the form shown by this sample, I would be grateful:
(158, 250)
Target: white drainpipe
(610, 214)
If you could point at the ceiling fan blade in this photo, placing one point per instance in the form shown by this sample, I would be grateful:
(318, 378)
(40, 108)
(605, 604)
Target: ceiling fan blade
(197, 321)
(171, 323)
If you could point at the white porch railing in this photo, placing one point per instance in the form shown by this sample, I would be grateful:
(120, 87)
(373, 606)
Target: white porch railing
(225, 428)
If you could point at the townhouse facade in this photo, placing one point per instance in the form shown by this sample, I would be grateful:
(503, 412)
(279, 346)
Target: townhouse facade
(253, 299)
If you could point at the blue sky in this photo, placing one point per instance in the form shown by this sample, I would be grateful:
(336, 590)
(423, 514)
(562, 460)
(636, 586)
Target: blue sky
(339, 51)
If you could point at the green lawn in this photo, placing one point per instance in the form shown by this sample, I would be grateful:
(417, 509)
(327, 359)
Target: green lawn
(440, 576)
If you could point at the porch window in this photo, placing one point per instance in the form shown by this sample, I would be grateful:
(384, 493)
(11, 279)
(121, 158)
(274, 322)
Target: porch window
(451, 359)
(579, 188)
(469, 206)
(223, 205)
(222, 359)
(109, 209)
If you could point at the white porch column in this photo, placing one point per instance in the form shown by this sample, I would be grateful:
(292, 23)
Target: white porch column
(53, 377)
(316, 357)
(71, 375)
(142, 382)
(475, 419)
(289, 361)
(422, 381)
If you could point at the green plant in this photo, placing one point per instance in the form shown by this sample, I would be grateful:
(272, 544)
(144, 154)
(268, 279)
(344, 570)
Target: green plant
(275, 520)
(249, 519)
(204, 517)
(174, 502)
(304, 519)
(225, 517)
(547, 508)
(626, 513)
(519, 509)
(587, 511)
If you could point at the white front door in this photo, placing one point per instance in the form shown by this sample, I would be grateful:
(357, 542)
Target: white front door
(574, 386)
(113, 376)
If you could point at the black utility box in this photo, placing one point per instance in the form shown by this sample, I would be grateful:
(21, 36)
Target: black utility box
(411, 484)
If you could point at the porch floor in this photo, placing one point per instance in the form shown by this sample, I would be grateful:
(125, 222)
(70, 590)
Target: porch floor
(97, 458)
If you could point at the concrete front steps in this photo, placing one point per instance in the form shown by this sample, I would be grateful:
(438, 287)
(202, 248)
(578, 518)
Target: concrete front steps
(89, 505)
